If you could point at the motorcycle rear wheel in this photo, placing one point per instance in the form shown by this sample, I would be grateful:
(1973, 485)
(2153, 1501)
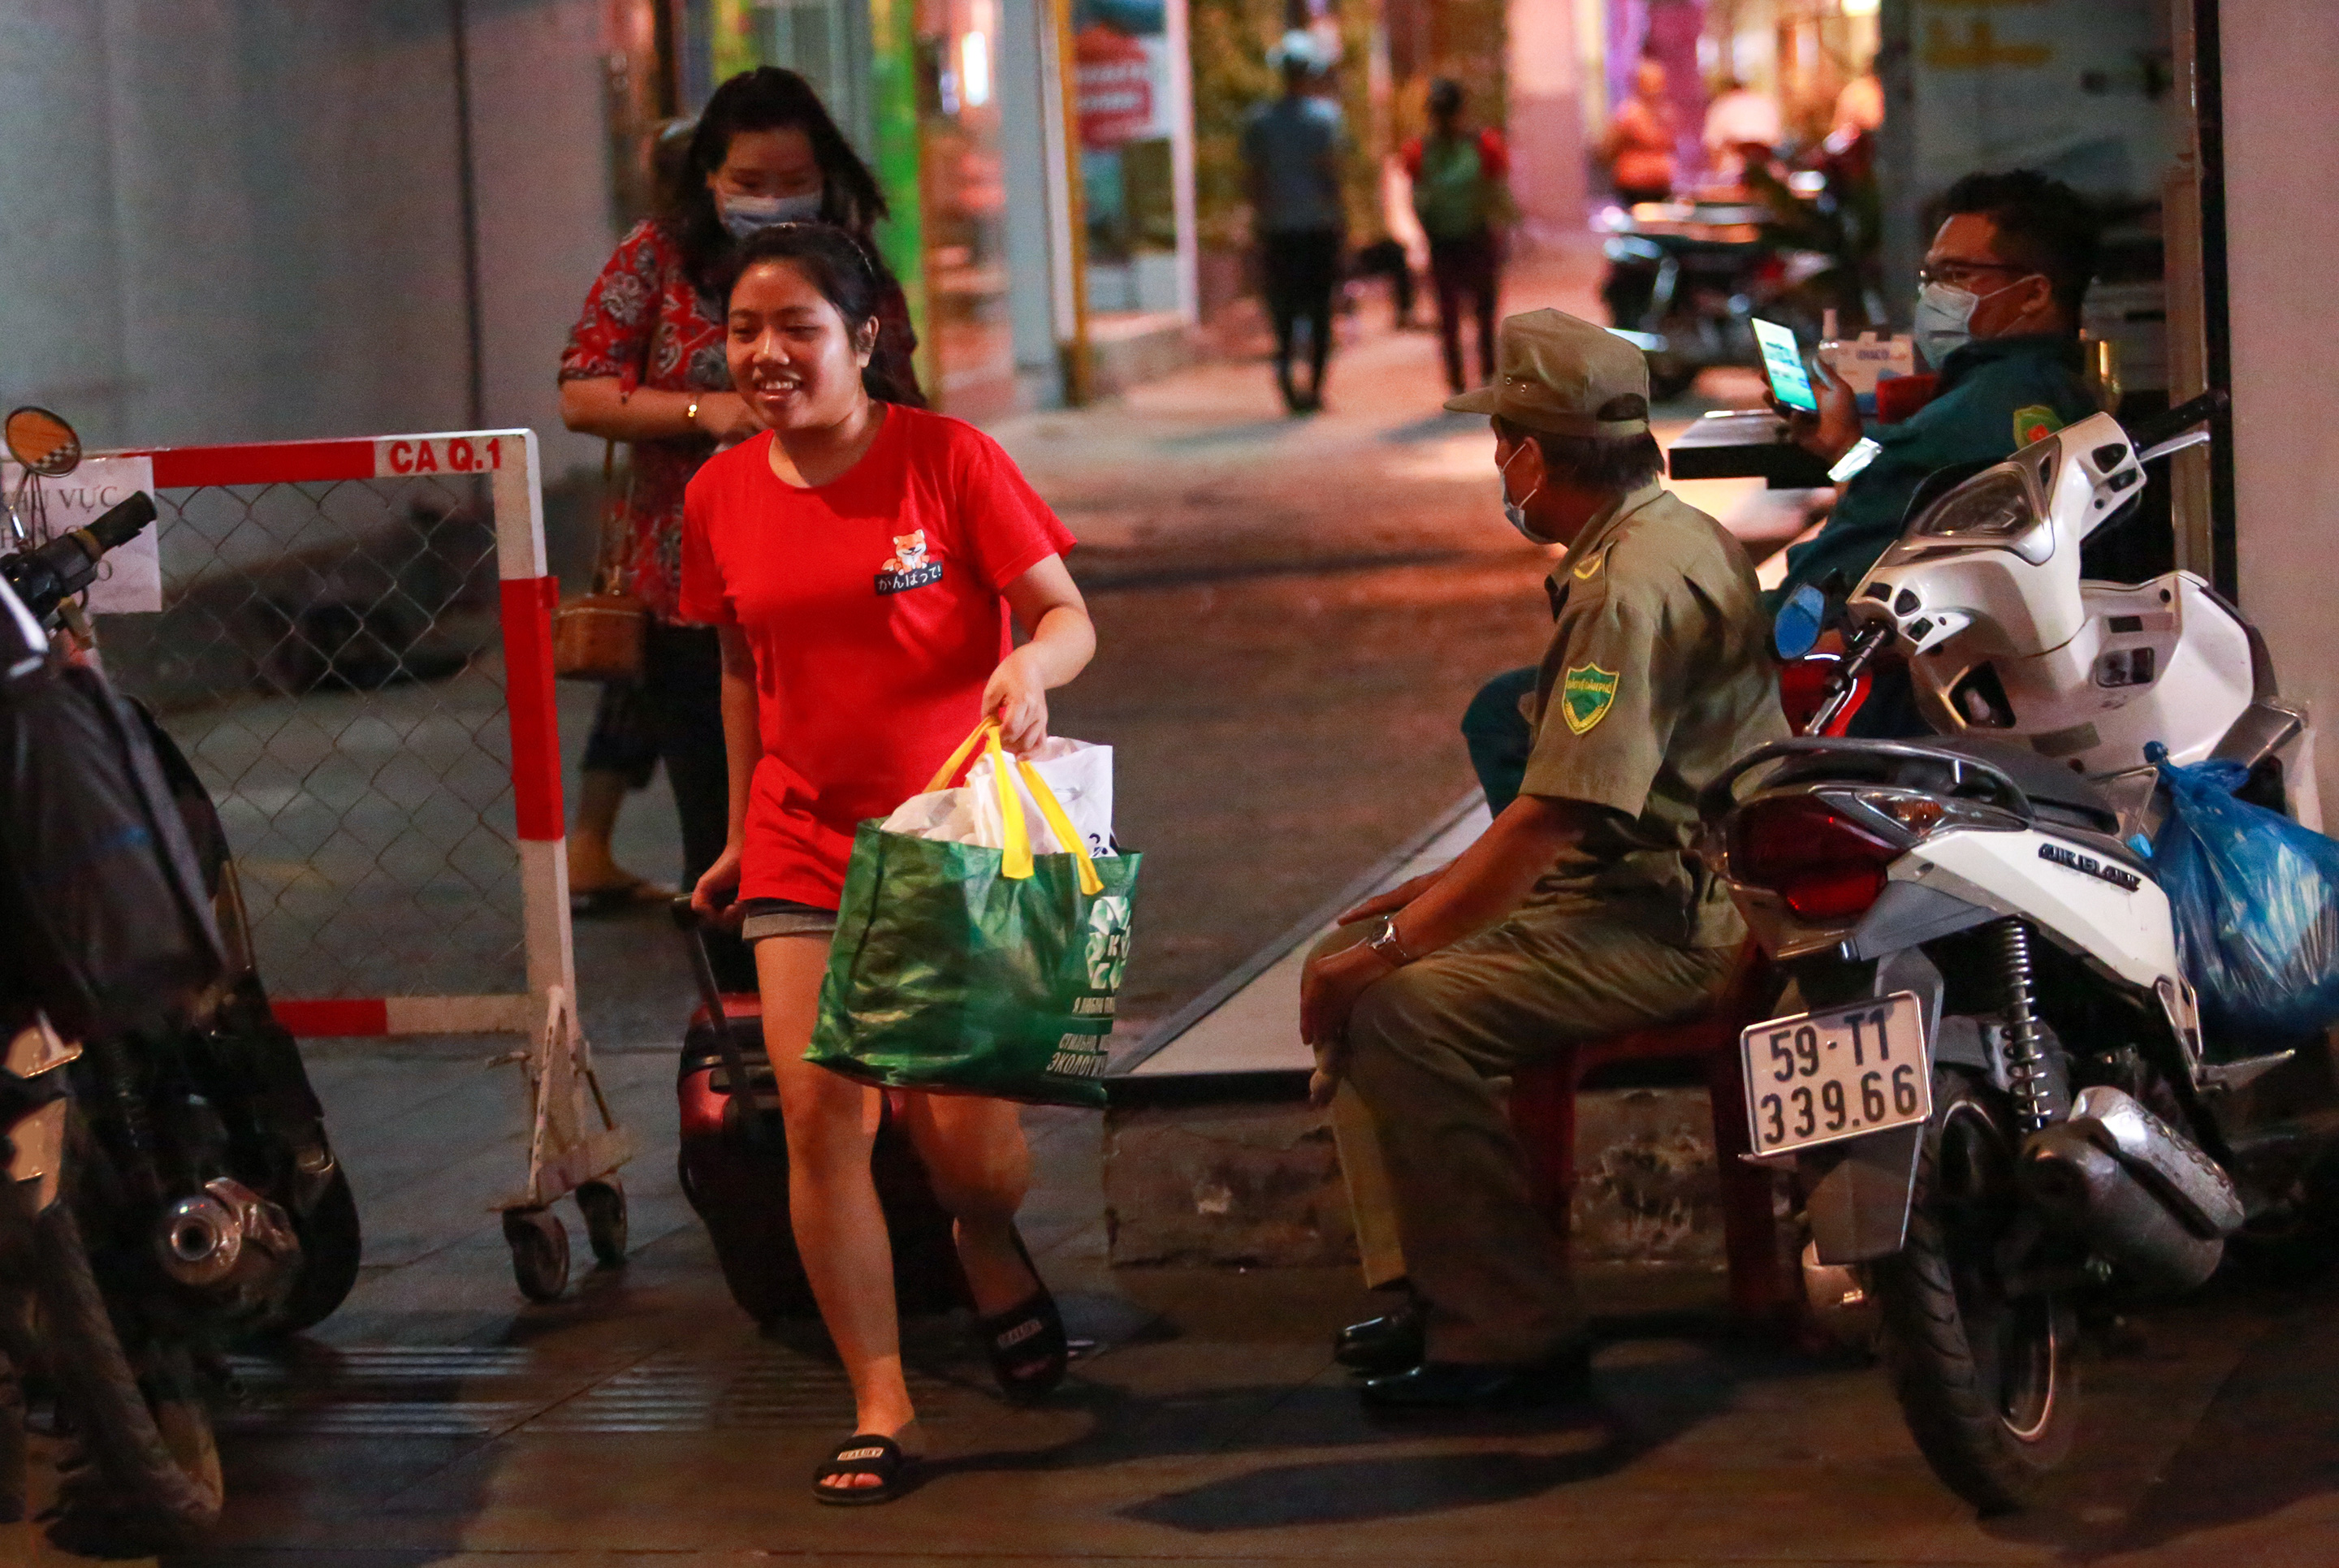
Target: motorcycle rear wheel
(147, 1439)
(1989, 1384)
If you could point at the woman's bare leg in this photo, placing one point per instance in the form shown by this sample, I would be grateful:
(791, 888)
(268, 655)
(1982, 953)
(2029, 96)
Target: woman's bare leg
(975, 1156)
(591, 863)
(839, 1231)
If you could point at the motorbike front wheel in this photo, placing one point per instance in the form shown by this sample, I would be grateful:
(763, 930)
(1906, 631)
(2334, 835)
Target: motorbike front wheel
(153, 1478)
(1987, 1381)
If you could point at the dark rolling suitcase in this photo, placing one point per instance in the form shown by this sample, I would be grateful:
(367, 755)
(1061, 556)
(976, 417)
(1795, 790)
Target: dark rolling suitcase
(735, 1167)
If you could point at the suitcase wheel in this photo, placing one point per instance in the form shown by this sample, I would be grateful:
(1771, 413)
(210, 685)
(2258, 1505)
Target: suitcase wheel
(540, 1249)
(603, 1206)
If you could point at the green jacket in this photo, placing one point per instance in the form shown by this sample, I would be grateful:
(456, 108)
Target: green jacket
(1995, 395)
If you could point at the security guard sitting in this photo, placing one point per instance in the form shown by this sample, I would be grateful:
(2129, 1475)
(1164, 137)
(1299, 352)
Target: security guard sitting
(1577, 916)
(1997, 317)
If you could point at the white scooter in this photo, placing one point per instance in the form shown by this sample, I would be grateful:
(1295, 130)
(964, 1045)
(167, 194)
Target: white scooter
(1998, 1095)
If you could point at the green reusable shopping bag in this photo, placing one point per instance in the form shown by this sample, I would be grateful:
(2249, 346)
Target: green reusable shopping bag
(959, 967)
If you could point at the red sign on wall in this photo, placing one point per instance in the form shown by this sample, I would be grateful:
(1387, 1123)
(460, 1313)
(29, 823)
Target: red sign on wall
(1114, 77)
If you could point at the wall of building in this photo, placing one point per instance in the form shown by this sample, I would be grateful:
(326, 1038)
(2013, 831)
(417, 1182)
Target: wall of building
(1547, 119)
(540, 148)
(241, 221)
(2281, 77)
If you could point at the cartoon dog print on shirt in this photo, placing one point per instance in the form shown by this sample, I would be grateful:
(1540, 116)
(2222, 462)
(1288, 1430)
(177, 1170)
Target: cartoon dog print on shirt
(908, 566)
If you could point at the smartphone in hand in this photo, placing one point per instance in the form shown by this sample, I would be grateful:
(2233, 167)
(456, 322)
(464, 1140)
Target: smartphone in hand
(1782, 362)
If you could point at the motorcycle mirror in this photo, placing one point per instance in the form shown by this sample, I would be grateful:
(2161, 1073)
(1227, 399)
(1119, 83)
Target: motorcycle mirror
(44, 443)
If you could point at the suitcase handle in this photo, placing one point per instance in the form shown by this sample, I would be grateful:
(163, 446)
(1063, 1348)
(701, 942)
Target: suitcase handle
(739, 1098)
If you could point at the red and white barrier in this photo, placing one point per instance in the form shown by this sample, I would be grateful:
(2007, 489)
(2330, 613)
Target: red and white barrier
(510, 461)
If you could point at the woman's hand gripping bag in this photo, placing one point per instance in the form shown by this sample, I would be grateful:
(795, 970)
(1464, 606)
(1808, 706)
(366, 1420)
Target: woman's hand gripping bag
(972, 967)
(2255, 899)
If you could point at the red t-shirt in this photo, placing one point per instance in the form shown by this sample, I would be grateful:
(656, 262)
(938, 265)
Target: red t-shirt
(873, 605)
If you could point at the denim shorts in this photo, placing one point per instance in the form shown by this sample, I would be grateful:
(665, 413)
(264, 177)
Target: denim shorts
(765, 917)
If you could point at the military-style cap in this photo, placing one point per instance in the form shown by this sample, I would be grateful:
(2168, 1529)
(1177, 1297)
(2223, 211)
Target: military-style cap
(1554, 372)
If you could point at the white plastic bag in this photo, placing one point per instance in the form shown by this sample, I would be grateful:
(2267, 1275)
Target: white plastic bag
(944, 815)
(1080, 775)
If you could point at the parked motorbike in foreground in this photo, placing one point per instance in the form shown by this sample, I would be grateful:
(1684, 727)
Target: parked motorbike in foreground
(171, 1190)
(1992, 1079)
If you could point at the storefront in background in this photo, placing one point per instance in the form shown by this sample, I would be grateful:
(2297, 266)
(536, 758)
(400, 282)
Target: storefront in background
(989, 149)
(1132, 108)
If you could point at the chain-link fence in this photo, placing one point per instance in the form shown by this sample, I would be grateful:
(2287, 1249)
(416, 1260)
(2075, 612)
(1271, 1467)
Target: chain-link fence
(330, 655)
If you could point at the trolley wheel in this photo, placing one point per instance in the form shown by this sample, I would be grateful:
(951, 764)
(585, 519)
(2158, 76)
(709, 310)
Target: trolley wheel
(540, 1249)
(603, 1206)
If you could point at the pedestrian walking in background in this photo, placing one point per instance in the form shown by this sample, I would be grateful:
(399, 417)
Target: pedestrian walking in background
(859, 561)
(1639, 146)
(1293, 150)
(1460, 193)
(645, 364)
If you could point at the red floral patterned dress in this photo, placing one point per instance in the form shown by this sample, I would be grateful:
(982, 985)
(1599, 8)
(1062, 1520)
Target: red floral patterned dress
(646, 324)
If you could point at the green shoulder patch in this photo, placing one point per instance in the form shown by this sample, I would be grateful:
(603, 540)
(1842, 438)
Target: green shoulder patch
(1586, 695)
(2034, 422)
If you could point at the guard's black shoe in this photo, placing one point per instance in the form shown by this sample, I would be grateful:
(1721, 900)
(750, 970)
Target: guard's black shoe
(1452, 1386)
(1381, 1345)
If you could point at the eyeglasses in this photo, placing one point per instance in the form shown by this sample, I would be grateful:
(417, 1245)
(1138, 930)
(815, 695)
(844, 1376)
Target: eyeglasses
(1952, 273)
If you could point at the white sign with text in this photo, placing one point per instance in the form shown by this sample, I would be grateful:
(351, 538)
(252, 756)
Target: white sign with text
(129, 581)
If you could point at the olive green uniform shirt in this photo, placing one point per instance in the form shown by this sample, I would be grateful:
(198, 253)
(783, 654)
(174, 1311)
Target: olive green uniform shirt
(1659, 675)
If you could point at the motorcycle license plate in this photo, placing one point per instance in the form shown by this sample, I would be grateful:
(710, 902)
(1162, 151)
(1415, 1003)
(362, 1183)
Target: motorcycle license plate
(1841, 1072)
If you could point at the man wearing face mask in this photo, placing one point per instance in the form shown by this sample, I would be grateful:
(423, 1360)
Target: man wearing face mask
(1997, 321)
(1577, 916)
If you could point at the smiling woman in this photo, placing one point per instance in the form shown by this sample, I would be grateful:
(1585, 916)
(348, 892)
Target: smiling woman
(860, 560)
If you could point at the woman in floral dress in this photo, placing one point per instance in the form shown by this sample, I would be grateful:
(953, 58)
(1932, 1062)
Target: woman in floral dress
(645, 364)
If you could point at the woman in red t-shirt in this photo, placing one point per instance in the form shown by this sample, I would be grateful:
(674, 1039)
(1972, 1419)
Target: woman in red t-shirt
(861, 560)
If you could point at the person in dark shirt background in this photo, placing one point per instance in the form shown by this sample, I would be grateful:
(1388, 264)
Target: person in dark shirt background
(1292, 149)
(1997, 320)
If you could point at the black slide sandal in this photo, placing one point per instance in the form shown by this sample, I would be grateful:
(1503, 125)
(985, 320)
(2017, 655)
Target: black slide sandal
(1026, 1342)
(864, 1454)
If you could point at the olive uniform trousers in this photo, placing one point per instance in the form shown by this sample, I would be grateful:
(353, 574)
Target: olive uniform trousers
(1435, 1176)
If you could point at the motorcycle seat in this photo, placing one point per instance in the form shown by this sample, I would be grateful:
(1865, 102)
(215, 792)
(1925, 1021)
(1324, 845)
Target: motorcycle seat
(2060, 794)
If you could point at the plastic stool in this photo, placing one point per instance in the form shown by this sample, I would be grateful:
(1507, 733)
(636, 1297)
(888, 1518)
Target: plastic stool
(1543, 1116)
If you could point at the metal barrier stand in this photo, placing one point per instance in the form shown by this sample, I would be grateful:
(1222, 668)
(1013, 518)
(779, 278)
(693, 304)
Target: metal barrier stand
(316, 597)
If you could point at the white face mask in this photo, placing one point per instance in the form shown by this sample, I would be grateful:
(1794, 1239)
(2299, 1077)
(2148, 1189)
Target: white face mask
(1515, 512)
(742, 215)
(1944, 323)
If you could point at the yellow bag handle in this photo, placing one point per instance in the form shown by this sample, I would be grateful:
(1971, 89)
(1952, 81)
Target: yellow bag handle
(1015, 862)
(958, 759)
(1016, 858)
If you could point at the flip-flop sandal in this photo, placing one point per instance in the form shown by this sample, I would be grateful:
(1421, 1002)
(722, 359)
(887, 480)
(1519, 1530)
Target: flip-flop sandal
(1026, 1342)
(613, 898)
(864, 1454)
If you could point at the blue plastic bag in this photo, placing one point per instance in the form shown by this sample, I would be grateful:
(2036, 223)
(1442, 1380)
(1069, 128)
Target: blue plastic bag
(2255, 899)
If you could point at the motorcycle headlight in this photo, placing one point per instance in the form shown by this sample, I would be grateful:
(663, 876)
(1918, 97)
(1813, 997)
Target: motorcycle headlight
(1994, 507)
